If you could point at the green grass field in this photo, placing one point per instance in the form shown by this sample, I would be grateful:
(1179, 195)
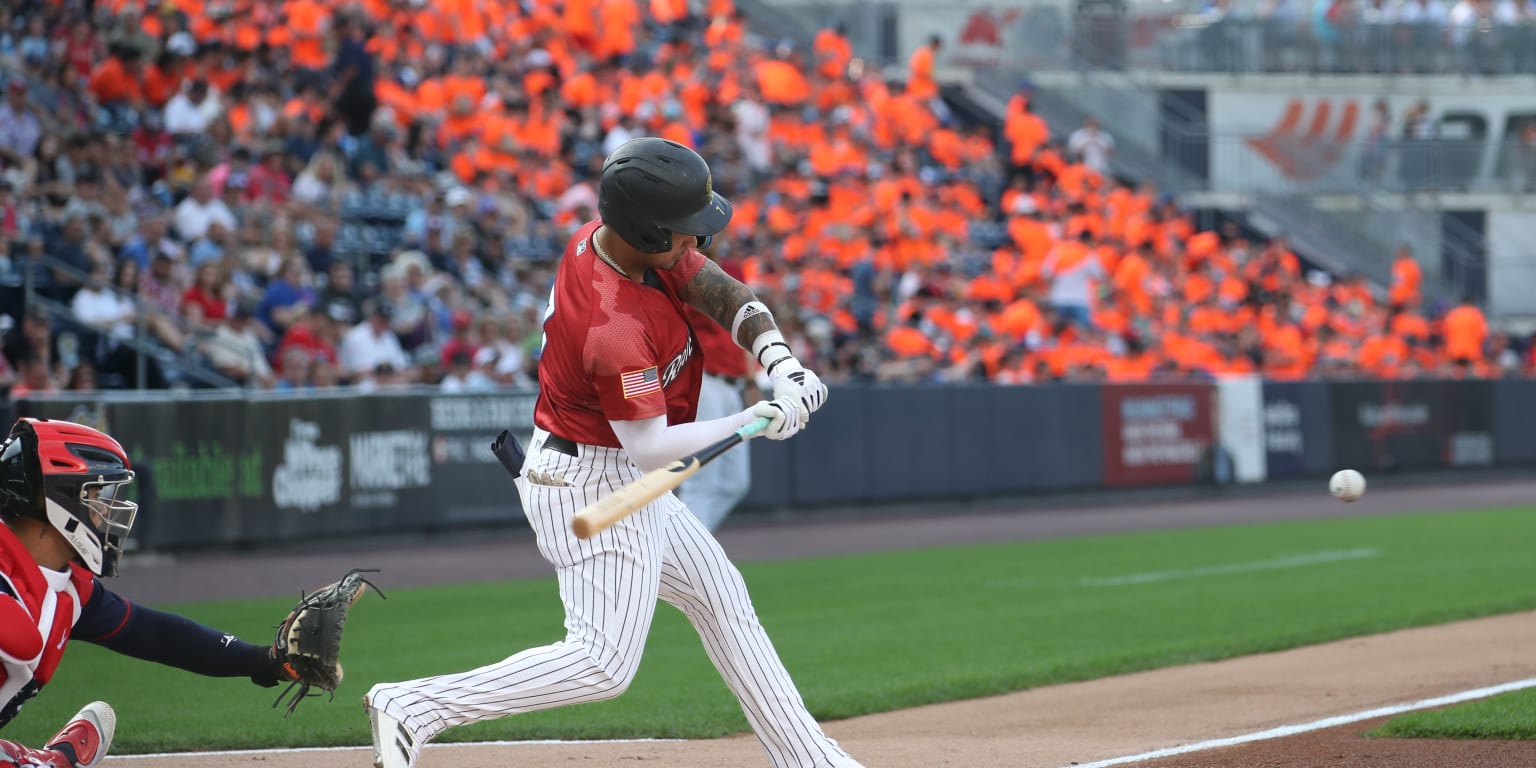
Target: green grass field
(1509, 716)
(865, 633)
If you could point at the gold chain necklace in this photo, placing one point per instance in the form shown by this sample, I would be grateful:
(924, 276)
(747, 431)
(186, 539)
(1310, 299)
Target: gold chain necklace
(597, 245)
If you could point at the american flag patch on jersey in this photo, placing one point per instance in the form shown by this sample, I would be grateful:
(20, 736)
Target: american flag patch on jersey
(637, 383)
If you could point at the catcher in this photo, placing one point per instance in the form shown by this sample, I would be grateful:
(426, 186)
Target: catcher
(65, 521)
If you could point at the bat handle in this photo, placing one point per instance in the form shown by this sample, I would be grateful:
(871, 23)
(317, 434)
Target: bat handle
(758, 425)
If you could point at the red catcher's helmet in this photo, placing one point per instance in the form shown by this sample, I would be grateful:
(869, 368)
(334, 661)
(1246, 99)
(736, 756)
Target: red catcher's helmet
(73, 477)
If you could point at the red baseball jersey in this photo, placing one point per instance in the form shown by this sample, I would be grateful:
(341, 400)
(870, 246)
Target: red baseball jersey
(615, 349)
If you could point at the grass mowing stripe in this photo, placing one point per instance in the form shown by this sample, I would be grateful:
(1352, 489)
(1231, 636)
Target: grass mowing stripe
(1295, 561)
(1511, 716)
(861, 634)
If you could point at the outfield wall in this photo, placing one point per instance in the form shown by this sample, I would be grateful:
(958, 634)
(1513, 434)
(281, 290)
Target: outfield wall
(266, 469)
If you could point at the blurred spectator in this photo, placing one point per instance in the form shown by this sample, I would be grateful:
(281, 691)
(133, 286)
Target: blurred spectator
(1465, 332)
(352, 83)
(501, 353)
(158, 293)
(207, 301)
(462, 340)
(315, 335)
(33, 337)
(237, 351)
(288, 296)
(99, 305)
(200, 210)
(1417, 162)
(464, 376)
(1092, 146)
(1407, 277)
(20, 128)
(192, 110)
(371, 344)
(82, 378)
(320, 178)
(36, 378)
(340, 296)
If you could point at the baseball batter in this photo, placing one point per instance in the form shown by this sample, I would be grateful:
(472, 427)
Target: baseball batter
(619, 387)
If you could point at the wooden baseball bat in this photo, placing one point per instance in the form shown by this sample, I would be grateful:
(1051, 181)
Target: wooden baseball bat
(610, 509)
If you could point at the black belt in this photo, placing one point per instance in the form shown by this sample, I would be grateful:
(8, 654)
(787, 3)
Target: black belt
(559, 444)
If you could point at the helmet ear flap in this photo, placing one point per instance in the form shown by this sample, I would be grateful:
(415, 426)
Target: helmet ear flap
(21, 485)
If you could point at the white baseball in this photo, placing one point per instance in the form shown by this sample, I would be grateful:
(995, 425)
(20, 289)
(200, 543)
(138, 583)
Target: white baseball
(1347, 485)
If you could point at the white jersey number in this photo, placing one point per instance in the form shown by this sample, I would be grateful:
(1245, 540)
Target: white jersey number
(549, 311)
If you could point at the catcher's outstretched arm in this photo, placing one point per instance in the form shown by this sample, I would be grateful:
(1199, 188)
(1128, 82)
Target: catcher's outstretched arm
(112, 622)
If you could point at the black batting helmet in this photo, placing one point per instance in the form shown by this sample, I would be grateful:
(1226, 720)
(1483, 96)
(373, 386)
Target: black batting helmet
(652, 188)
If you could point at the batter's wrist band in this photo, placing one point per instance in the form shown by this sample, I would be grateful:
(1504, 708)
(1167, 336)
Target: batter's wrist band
(748, 310)
(770, 349)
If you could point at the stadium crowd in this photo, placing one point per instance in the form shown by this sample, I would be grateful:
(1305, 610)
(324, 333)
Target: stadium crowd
(303, 194)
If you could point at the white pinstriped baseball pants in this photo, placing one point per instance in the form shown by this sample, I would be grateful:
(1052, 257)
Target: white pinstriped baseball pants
(609, 584)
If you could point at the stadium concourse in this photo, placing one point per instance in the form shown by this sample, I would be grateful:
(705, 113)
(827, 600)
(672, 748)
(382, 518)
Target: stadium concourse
(304, 194)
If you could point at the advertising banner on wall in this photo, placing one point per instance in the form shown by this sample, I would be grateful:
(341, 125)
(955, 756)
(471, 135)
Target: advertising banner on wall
(1285, 442)
(196, 460)
(1515, 405)
(1312, 136)
(472, 485)
(1413, 424)
(345, 463)
(1161, 434)
(1298, 428)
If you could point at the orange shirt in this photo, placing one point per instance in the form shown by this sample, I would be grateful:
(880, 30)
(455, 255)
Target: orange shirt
(1407, 278)
(920, 82)
(1465, 330)
(111, 82)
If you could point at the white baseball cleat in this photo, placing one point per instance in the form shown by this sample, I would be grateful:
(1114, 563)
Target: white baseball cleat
(85, 739)
(395, 744)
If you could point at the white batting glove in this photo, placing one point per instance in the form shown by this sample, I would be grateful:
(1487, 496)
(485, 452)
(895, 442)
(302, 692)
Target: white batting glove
(783, 417)
(791, 380)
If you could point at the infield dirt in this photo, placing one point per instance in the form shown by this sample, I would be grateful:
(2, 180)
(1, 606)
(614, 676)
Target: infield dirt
(1045, 727)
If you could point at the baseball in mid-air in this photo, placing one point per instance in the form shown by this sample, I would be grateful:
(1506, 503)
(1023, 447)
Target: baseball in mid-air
(1347, 485)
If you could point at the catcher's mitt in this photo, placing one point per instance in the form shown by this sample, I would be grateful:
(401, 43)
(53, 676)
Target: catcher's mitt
(307, 648)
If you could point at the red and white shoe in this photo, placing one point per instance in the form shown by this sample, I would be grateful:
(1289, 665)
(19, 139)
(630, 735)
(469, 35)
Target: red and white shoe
(86, 739)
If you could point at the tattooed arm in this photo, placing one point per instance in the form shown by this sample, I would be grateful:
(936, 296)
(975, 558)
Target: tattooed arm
(733, 305)
(722, 297)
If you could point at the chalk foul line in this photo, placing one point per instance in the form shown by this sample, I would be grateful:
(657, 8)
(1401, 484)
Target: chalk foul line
(1279, 563)
(1316, 725)
(285, 750)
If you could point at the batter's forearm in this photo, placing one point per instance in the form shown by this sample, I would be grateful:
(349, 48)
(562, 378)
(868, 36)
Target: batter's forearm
(722, 297)
(653, 444)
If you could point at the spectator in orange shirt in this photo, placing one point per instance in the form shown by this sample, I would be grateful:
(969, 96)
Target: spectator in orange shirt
(920, 82)
(117, 85)
(1464, 330)
(1406, 279)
